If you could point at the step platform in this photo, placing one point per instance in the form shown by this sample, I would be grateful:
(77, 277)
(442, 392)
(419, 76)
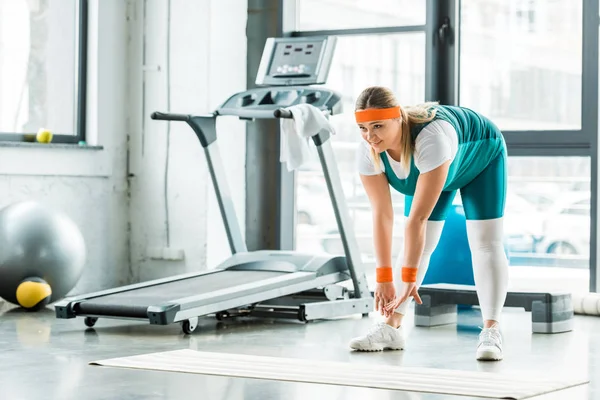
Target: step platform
(551, 312)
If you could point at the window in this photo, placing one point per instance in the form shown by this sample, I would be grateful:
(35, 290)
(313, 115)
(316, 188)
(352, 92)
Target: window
(547, 222)
(579, 208)
(525, 15)
(349, 14)
(41, 60)
(396, 61)
(521, 62)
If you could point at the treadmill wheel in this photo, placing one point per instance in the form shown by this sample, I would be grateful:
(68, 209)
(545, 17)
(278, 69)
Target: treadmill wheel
(189, 325)
(90, 321)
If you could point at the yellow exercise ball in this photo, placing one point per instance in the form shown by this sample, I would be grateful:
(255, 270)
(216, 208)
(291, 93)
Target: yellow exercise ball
(33, 293)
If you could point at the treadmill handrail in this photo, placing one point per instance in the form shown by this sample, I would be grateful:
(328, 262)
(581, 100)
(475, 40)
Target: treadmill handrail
(319, 138)
(163, 116)
(283, 113)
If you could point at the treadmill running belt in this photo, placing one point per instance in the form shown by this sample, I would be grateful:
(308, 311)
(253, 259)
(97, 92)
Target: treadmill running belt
(134, 303)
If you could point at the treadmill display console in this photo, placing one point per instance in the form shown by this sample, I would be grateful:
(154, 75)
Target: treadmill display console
(295, 61)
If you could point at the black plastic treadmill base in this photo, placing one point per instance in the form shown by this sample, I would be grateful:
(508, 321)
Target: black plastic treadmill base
(157, 315)
(111, 310)
(64, 311)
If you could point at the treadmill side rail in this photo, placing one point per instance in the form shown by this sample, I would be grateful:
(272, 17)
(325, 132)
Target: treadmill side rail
(191, 308)
(280, 282)
(64, 307)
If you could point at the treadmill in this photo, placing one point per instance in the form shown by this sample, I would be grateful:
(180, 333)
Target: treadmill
(264, 283)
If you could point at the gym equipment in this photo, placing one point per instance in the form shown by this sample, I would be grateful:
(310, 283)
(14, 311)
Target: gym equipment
(451, 261)
(449, 284)
(265, 283)
(550, 312)
(42, 254)
(586, 303)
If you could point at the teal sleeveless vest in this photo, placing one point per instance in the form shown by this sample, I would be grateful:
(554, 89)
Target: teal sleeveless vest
(479, 142)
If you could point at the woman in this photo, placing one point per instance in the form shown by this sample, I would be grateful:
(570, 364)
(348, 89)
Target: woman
(428, 152)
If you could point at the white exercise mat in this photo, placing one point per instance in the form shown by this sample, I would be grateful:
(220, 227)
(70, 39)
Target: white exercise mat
(431, 380)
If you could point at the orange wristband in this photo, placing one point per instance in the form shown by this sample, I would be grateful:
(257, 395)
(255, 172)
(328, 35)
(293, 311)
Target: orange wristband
(384, 274)
(409, 274)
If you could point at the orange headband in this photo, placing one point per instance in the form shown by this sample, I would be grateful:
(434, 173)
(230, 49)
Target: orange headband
(376, 114)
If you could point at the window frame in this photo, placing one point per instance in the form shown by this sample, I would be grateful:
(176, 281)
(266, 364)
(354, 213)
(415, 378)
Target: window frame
(81, 85)
(442, 83)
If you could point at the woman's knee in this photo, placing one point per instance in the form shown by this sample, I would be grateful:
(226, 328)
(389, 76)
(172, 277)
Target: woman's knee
(486, 234)
(433, 232)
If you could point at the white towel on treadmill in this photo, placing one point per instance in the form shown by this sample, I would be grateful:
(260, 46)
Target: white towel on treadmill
(296, 134)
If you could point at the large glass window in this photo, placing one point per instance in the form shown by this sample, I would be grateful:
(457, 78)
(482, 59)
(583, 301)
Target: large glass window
(520, 62)
(546, 225)
(396, 61)
(521, 65)
(348, 14)
(38, 66)
(547, 222)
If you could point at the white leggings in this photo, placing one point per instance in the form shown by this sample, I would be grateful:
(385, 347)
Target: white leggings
(490, 265)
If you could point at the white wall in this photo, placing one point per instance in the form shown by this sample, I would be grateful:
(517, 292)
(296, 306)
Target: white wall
(207, 64)
(88, 185)
(122, 217)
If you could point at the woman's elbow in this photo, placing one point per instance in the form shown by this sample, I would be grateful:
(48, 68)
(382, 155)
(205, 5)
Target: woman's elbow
(384, 212)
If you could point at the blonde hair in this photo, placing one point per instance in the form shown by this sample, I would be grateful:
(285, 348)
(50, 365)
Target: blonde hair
(382, 97)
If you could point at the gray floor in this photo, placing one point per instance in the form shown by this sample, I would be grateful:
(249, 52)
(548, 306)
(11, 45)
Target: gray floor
(43, 357)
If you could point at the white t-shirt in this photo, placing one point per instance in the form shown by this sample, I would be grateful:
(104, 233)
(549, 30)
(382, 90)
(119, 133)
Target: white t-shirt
(435, 144)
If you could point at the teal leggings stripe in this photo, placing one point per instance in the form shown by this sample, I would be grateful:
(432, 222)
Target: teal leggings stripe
(483, 198)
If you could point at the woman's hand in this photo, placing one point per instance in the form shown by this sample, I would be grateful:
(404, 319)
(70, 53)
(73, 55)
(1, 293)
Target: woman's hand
(409, 289)
(384, 293)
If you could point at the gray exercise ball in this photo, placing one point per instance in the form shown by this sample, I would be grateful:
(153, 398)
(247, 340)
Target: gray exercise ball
(42, 254)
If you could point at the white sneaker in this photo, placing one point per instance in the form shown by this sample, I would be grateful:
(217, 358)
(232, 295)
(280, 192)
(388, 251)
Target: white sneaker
(490, 345)
(380, 337)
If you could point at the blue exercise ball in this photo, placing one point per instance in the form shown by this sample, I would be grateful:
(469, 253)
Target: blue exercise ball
(451, 261)
(42, 254)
